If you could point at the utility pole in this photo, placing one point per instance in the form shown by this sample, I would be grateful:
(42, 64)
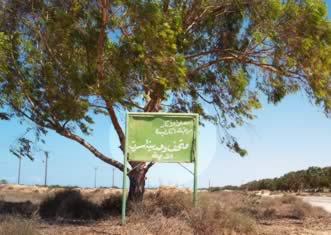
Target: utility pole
(19, 170)
(209, 184)
(46, 166)
(95, 176)
(113, 177)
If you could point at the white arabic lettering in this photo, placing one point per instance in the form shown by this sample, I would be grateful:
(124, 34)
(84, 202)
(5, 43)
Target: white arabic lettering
(175, 147)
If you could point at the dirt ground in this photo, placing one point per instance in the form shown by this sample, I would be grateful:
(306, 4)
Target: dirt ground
(282, 225)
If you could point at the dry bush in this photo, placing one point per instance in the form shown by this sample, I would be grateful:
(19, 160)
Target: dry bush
(169, 204)
(69, 205)
(25, 209)
(167, 212)
(282, 207)
(173, 204)
(288, 199)
(212, 218)
(112, 205)
(235, 199)
(301, 210)
(17, 226)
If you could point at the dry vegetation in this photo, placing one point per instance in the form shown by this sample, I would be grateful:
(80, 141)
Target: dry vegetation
(164, 211)
(15, 225)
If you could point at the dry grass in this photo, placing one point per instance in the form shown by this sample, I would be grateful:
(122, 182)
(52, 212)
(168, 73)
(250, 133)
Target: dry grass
(286, 206)
(17, 226)
(170, 211)
(163, 208)
(161, 225)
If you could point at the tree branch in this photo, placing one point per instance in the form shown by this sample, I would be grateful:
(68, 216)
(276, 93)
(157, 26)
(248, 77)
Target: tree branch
(213, 51)
(206, 65)
(66, 133)
(149, 166)
(93, 150)
(101, 39)
(116, 124)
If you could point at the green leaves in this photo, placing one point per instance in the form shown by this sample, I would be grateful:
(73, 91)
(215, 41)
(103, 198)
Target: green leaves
(215, 58)
(4, 116)
(22, 148)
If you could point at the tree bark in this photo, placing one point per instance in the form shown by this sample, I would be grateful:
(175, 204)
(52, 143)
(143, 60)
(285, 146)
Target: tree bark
(139, 170)
(137, 184)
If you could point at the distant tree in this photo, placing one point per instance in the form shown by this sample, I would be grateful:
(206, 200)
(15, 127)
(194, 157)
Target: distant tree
(62, 61)
(328, 174)
(314, 178)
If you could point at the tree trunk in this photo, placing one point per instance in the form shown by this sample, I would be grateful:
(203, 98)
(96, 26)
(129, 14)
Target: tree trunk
(137, 184)
(137, 175)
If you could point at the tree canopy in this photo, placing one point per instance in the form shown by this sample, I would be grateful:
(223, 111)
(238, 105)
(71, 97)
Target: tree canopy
(61, 62)
(312, 179)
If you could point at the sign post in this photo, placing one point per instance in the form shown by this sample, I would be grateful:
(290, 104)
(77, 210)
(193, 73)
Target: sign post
(125, 170)
(160, 137)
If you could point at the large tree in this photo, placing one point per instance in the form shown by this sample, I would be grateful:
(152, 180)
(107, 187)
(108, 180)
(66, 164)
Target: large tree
(65, 61)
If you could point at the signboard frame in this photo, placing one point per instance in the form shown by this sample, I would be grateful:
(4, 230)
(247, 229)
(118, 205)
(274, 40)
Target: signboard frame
(194, 150)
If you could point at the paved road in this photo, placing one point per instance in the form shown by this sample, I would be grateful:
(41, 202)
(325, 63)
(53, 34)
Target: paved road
(324, 202)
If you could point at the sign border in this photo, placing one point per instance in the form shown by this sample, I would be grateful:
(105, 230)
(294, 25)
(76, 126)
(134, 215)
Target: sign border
(195, 118)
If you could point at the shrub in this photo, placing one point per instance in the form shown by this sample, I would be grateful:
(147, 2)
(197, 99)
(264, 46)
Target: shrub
(302, 210)
(288, 199)
(112, 205)
(173, 204)
(25, 209)
(269, 213)
(69, 205)
(17, 226)
(282, 207)
(214, 189)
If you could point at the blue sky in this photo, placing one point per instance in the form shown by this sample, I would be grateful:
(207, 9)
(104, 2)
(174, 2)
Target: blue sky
(290, 136)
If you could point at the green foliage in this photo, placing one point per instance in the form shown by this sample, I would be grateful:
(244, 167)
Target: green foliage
(212, 57)
(312, 179)
(23, 148)
(4, 116)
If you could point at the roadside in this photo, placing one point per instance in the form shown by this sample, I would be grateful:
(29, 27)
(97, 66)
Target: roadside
(319, 201)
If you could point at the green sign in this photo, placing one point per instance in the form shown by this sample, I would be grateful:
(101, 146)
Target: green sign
(161, 137)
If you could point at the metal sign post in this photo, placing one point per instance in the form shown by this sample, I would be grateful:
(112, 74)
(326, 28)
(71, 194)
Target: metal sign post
(161, 137)
(125, 170)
